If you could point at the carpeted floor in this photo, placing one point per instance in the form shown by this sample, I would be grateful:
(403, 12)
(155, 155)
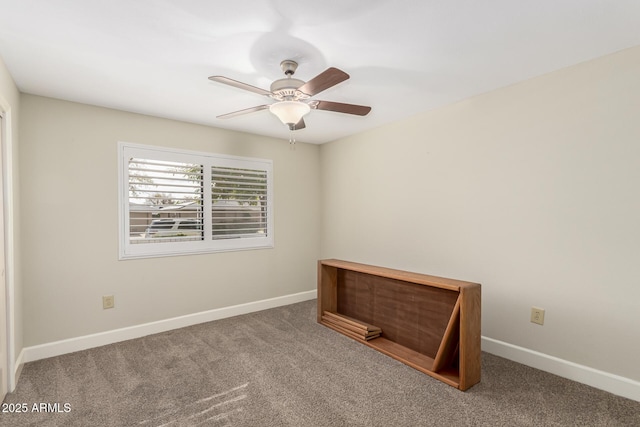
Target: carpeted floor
(280, 368)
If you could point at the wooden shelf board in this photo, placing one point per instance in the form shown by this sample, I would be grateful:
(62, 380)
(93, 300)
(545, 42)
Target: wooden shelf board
(414, 359)
(342, 319)
(418, 278)
(359, 335)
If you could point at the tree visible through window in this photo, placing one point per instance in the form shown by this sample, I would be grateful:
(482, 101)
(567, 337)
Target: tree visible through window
(165, 209)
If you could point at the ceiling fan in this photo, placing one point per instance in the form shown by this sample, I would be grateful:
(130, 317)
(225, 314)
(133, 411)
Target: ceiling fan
(293, 96)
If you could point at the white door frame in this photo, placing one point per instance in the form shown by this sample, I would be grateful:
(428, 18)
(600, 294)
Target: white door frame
(4, 356)
(7, 190)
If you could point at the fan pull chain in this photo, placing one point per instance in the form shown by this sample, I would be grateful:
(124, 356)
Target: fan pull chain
(292, 140)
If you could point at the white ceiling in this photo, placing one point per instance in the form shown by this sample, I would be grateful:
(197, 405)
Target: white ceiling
(404, 57)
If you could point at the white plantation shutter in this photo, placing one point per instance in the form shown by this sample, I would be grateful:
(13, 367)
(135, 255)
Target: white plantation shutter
(239, 202)
(175, 202)
(161, 192)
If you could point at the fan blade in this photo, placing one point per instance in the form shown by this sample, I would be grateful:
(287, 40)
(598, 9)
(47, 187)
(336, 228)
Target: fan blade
(358, 110)
(328, 78)
(239, 85)
(241, 112)
(300, 125)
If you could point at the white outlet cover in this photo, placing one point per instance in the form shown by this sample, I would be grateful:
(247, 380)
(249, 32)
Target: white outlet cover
(537, 315)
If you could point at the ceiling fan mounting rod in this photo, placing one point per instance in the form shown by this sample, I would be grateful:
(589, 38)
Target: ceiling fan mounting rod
(289, 67)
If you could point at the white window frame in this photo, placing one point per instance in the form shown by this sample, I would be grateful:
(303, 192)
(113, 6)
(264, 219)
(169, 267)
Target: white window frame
(127, 250)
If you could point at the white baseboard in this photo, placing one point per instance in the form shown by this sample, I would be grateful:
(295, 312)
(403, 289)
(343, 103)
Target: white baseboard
(606, 381)
(57, 348)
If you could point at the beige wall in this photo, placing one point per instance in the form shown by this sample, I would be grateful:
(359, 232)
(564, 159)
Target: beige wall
(531, 190)
(10, 103)
(69, 193)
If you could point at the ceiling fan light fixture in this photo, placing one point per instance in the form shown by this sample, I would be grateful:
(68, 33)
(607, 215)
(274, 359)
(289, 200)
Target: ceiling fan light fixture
(289, 112)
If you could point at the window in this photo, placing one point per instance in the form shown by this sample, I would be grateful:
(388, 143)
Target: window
(175, 202)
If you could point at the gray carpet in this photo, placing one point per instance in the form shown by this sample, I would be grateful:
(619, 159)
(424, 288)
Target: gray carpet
(280, 368)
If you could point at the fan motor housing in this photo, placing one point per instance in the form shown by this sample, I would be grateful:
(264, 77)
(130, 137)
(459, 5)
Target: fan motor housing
(286, 89)
(286, 84)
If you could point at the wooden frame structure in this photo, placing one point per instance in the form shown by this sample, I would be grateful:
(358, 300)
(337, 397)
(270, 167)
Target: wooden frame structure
(429, 323)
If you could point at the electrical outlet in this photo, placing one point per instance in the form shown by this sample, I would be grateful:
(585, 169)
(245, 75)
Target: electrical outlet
(537, 315)
(107, 302)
